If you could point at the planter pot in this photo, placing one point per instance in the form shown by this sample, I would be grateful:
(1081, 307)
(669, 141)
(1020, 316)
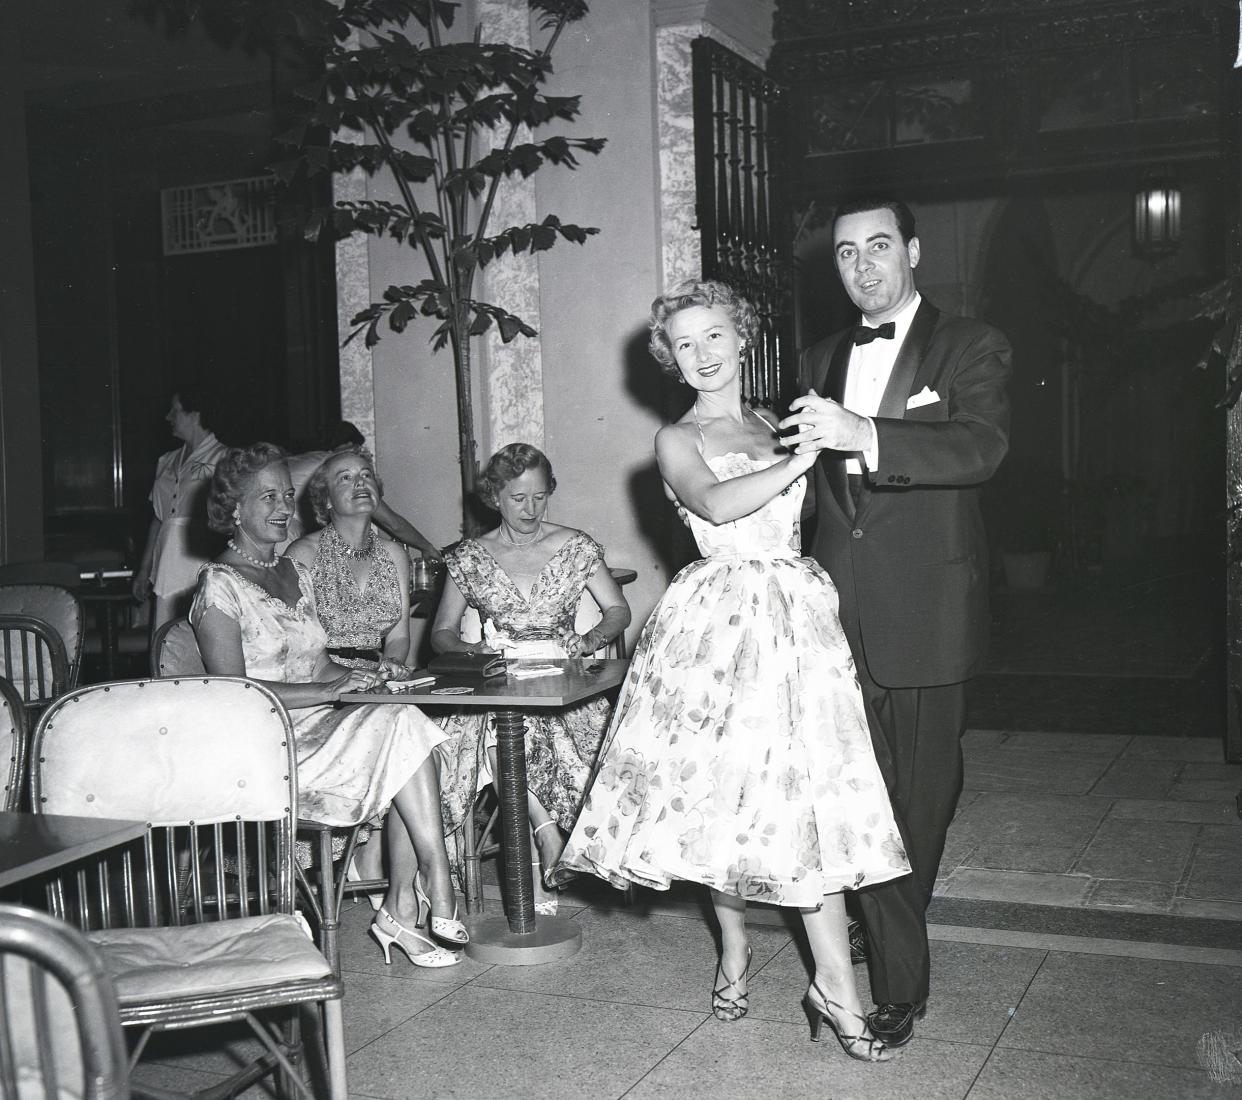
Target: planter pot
(1027, 570)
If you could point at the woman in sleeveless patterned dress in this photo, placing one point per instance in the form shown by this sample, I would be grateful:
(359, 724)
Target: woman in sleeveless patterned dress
(739, 754)
(362, 596)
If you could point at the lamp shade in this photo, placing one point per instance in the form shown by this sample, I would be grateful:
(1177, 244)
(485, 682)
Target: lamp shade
(1157, 217)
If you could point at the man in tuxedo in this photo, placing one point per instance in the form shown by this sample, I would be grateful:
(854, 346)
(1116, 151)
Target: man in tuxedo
(910, 412)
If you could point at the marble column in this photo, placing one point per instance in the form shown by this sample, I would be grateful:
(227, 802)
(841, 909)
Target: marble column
(511, 374)
(743, 26)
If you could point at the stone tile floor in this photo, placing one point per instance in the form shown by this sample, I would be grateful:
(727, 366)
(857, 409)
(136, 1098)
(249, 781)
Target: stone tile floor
(1087, 942)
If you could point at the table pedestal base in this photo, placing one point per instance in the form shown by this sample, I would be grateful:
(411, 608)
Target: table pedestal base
(492, 942)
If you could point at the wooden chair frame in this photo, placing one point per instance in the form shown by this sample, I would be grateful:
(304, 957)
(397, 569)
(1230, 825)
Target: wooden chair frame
(13, 734)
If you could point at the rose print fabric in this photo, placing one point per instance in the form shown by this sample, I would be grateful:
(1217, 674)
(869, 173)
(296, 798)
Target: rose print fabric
(739, 754)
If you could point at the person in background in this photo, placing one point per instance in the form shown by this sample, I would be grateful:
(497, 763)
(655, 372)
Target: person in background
(907, 414)
(174, 549)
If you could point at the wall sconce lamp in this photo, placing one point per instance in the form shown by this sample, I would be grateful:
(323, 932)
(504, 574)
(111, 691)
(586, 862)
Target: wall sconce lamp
(1157, 216)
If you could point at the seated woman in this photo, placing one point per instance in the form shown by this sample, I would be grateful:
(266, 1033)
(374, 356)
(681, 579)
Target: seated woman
(362, 582)
(254, 615)
(525, 579)
(362, 589)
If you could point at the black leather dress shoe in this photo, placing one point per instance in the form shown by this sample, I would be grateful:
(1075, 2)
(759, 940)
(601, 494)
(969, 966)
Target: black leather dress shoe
(858, 942)
(893, 1024)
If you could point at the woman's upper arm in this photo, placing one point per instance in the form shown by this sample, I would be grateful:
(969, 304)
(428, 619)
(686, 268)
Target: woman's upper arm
(220, 643)
(452, 608)
(396, 551)
(686, 476)
(605, 590)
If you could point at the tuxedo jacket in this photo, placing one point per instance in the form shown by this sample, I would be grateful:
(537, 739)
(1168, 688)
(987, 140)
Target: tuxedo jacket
(909, 559)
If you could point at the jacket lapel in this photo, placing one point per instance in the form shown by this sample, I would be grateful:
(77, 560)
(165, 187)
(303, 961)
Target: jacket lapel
(833, 386)
(909, 359)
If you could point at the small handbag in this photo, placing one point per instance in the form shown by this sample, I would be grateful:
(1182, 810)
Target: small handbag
(486, 666)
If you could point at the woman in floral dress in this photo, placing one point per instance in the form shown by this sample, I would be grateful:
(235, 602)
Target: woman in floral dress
(739, 754)
(525, 579)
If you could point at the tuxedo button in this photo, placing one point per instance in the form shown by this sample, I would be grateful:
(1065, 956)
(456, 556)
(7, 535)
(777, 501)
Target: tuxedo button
(891, 478)
(856, 533)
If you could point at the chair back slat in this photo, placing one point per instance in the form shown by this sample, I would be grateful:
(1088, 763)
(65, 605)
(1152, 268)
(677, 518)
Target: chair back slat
(13, 747)
(34, 660)
(208, 763)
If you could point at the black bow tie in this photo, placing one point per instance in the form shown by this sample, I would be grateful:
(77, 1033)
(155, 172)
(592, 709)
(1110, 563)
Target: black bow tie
(864, 335)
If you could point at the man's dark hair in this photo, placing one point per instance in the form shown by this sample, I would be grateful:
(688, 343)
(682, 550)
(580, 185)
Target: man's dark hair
(863, 203)
(340, 433)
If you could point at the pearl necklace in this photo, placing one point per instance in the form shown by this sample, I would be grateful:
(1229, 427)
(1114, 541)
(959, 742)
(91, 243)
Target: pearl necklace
(253, 561)
(507, 535)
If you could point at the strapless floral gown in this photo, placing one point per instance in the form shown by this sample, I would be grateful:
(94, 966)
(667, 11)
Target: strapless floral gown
(739, 754)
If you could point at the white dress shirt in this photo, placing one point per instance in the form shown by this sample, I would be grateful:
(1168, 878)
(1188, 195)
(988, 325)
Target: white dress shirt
(867, 377)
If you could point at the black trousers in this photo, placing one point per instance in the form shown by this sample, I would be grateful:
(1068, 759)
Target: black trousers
(917, 734)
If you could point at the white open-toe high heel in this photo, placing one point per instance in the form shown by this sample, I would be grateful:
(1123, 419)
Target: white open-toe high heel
(390, 932)
(449, 929)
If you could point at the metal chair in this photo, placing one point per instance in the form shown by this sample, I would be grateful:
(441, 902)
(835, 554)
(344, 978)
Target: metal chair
(13, 744)
(29, 657)
(196, 922)
(60, 1028)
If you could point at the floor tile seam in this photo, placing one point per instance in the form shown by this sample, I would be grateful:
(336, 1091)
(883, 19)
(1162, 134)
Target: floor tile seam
(1062, 1053)
(1012, 1015)
(1086, 945)
(664, 1057)
(402, 1023)
(589, 999)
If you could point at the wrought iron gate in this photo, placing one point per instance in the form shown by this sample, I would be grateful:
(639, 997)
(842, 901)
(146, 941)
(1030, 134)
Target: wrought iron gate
(741, 172)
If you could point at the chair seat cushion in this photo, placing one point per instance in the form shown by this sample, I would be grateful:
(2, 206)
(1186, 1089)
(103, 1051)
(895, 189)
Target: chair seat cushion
(149, 964)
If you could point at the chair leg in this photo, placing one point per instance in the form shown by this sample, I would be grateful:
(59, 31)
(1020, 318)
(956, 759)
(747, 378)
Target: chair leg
(473, 873)
(334, 1028)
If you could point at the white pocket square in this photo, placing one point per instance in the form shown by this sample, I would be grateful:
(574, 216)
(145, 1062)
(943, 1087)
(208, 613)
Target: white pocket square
(923, 397)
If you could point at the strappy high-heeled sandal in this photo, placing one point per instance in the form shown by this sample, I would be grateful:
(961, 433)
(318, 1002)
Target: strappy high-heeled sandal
(545, 872)
(409, 941)
(449, 929)
(863, 1046)
(731, 1009)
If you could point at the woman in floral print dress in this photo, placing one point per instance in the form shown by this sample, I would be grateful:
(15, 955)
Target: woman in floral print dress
(739, 754)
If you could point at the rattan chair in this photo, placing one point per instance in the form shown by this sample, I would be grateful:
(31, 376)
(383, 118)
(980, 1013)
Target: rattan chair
(175, 654)
(60, 1029)
(12, 746)
(33, 619)
(196, 922)
(174, 651)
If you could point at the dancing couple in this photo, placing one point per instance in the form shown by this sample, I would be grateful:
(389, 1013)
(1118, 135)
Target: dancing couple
(769, 742)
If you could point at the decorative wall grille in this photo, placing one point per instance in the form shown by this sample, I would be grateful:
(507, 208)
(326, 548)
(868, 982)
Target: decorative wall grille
(217, 217)
(741, 181)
